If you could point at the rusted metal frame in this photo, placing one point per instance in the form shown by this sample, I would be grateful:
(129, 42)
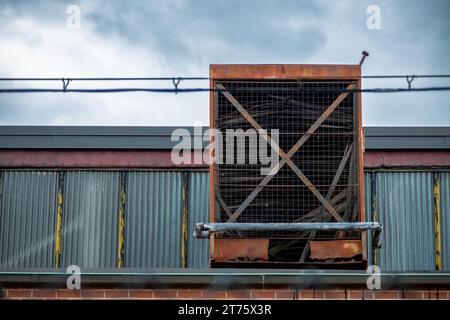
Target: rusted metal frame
(348, 214)
(285, 71)
(350, 182)
(337, 176)
(339, 171)
(225, 208)
(205, 229)
(324, 250)
(285, 157)
(360, 171)
(241, 249)
(212, 175)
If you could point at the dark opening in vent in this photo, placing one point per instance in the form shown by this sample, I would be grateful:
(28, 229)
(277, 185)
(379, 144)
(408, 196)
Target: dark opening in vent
(328, 157)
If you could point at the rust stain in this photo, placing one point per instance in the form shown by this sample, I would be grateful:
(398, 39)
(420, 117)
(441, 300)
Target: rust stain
(240, 249)
(284, 71)
(322, 250)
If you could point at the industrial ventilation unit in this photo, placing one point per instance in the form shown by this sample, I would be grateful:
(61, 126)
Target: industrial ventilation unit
(287, 178)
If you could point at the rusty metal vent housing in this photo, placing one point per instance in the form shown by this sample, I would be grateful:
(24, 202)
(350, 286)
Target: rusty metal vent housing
(319, 134)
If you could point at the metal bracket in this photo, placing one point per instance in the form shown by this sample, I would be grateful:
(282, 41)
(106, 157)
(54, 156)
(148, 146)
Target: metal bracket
(176, 82)
(410, 79)
(66, 83)
(365, 54)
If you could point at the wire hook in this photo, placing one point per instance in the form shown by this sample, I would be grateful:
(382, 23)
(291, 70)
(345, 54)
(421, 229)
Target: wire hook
(176, 82)
(65, 83)
(410, 79)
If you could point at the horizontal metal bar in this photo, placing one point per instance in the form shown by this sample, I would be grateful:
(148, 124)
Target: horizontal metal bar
(225, 278)
(203, 230)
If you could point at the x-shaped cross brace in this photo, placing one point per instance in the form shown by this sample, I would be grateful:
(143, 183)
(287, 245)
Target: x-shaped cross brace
(285, 157)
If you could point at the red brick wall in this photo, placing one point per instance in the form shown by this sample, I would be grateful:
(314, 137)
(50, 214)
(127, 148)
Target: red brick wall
(196, 293)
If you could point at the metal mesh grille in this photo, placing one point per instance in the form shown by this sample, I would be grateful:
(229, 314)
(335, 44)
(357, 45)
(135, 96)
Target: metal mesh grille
(292, 107)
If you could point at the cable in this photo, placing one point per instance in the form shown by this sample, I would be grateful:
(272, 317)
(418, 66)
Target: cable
(108, 79)
(204, 78)
(189, 90)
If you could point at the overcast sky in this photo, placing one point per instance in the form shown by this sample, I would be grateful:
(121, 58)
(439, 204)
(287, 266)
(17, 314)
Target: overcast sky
(181, 38)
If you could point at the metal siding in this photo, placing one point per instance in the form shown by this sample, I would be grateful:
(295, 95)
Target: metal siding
(27, 219)
(444, 181)
(405, 208)
(368, 212)
(153, 220)
(90, 219)
(198, 249)
(107, 137)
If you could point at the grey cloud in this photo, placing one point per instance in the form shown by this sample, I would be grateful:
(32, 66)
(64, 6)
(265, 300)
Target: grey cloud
(191, 34)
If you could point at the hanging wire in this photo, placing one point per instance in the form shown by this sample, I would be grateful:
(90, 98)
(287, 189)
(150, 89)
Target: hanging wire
(190, 90)
(202, 78)
(177, 80)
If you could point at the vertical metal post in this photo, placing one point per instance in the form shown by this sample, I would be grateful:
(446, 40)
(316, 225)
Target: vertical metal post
(59, 215)
(437, 222)
(184, 218)
(122, 206)
(373, 205)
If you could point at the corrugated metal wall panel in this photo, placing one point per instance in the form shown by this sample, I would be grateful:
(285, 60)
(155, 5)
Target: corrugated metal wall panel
(368, 211)
(405, 208)
(90, 219)
(153, 220)
(27, 219)
(198, 249)
(444, 181)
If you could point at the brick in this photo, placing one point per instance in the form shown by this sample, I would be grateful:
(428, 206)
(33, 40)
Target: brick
(68, 294)
(433, 294)
(238, 294)
(141, 294)
(443, 295)
(335, 294)
(117, 293)
(415, 295)
(165, 294)
(92, 294)
(263, 294)
(386, 294)
(214, 294)
(284, 294)
(44, 293)
(306, 294)
(319, 294)
(19, 293)
(360, 294)
(189, 294)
